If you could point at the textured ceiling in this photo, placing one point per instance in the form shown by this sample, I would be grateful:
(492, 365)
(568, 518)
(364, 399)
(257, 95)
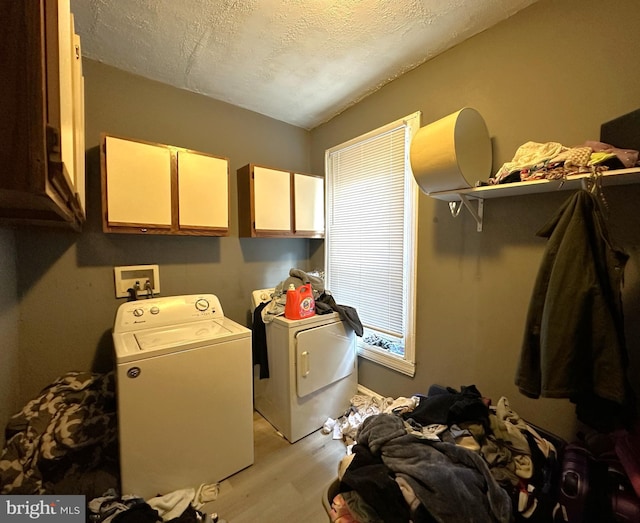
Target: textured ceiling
(299, 61)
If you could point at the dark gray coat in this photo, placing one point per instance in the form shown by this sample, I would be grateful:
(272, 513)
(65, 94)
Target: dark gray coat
(574, 339)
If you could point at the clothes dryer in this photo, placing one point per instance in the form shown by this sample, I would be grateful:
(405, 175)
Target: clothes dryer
(185, 410)
(312, 372)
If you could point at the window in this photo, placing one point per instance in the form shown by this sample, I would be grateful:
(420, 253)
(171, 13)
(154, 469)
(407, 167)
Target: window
(370, 241)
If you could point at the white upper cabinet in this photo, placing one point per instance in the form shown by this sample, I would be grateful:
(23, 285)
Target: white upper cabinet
(161, 189)
(279, 203)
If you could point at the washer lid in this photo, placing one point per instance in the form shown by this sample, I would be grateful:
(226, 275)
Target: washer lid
(148, 343)
(151, 339)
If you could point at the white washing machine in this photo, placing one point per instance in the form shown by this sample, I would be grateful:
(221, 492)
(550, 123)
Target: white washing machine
(184, 389)
(312, 372)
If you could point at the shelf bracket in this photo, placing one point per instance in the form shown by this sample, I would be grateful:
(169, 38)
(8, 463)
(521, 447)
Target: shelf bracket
(455, 207)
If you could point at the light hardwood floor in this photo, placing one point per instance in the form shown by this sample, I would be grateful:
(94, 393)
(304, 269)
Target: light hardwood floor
(286, 481)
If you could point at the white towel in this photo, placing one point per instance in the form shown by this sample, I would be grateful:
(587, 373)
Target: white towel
(173, 504)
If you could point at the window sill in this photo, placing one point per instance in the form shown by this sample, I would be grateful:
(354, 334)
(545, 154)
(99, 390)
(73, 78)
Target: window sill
(388, 360)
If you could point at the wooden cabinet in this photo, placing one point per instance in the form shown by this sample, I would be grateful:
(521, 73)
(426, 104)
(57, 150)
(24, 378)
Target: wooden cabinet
(161, 189)
(42, 107)
(277, 203)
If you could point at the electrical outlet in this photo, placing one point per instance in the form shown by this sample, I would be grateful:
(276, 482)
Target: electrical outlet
(136, 277)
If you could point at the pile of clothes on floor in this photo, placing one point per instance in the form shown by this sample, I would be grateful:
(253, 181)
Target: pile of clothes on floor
(64, 441)
(446, 456)
(180, 506)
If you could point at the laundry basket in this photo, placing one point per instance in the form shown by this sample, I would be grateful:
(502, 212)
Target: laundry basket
(330, 492)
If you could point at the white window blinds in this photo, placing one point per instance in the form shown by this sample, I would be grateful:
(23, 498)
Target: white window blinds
(369, 187)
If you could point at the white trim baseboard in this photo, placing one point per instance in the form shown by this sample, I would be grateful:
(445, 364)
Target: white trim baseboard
(368, 392)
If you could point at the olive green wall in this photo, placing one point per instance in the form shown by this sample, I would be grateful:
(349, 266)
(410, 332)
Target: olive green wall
(65, 280)
(554, 72)
(8, 328)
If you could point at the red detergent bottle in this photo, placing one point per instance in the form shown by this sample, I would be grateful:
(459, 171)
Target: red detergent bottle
(300, 303)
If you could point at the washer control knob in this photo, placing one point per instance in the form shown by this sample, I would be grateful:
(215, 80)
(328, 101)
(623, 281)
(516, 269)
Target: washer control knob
(202, 304)
(154, 310)
(138, 312)
(133, 372)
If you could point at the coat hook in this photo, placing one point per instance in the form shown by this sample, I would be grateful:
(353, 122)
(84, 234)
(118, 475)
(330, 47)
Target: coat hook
(455, 207)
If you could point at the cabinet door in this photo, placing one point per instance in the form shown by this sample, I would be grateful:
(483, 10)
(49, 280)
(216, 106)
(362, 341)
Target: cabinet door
(137, 183)
(78, 119)
(66, 68)
(272, 200)
(203, 191)
(62, 101)
(308, 205)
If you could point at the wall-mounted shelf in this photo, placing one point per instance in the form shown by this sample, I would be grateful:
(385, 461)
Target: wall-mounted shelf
(463, 197)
